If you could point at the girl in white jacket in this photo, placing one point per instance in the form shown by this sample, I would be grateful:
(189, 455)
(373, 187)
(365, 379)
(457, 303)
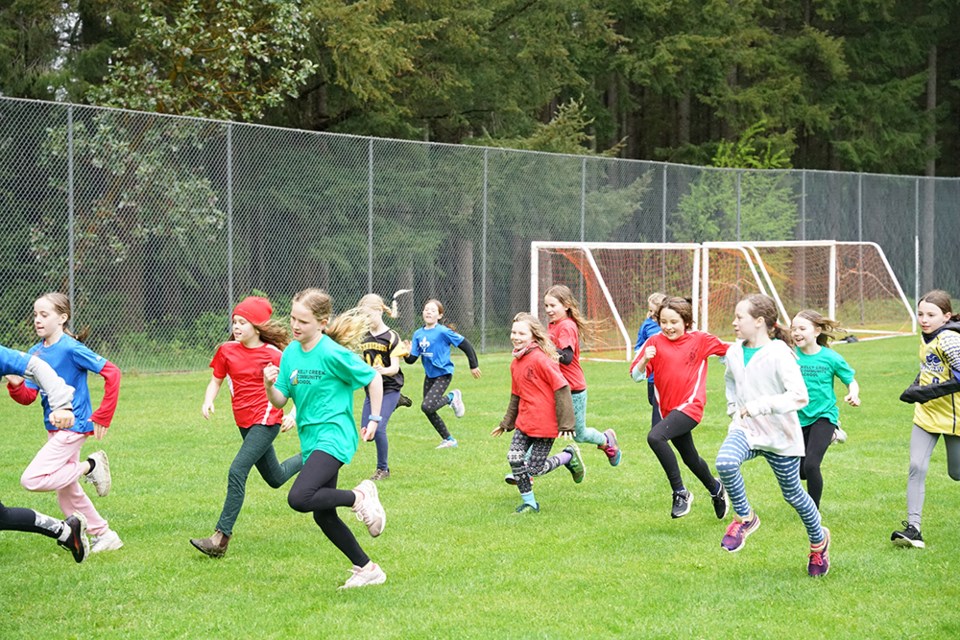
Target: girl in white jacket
(764, 391)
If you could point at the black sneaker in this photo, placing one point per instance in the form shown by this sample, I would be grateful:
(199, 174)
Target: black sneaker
(909, 537)
(720, 503)
(77, 543)
(681, 503)
(404, 401)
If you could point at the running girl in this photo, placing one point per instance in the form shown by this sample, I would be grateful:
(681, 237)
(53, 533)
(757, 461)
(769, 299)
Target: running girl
(935, 413)
(566, 325)
(320, 374)
(257, 342)
(432, 342)
(765, 390)
(649, 327)
(57, 466)
(678, 357)
(819, 365)
(540, 409)
(382, 349)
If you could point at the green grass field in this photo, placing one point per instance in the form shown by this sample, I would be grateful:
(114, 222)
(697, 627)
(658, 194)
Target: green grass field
(603, 559)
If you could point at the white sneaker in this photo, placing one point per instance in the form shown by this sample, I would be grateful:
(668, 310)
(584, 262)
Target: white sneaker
(100, 476)
(108, 541)
(457, 403)
(365, 577)
(369, 511)
(449, 443)
(839, 436)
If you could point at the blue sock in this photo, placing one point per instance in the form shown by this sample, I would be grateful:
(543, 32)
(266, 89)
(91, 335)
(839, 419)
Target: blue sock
(564, 457)
(450, 398)
(529, 499)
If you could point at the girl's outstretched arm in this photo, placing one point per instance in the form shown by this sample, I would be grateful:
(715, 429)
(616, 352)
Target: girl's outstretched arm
(510, 417)
(102, 417)
(853, 394)
(213, 388)
(471, 354)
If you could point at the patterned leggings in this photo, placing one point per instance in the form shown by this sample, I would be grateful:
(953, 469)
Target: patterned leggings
(735, 450)
(30, 521)
(435, 398)
(540, 462)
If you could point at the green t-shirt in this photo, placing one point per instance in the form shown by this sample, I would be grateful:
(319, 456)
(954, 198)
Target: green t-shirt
(321, 383)
(748, 353)
(818, 372)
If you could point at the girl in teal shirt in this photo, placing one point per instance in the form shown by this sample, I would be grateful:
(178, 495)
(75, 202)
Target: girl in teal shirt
(320, 374)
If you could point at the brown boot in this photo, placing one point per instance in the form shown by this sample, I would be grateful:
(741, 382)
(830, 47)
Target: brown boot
(209, 547)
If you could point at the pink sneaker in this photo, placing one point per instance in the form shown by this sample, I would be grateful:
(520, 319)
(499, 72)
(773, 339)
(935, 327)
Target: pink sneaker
(364, 577)
(737, 533)
(819, 556)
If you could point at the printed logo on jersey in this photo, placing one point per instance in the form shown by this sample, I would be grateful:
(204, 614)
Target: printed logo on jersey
(424, 345)
(294, 376)
(933, 364)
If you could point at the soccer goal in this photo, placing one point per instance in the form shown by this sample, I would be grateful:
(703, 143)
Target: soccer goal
(851, 282)
(612, 281)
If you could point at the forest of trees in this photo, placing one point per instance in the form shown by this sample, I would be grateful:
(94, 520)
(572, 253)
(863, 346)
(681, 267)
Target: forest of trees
(852, 85)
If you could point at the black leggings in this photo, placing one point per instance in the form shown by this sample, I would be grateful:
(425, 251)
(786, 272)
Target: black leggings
(435, 398)
(29, 521)
(677, 428)
(816, 439)
(315, 489)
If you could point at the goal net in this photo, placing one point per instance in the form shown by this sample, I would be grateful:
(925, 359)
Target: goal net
(612, 282)
(851, 282)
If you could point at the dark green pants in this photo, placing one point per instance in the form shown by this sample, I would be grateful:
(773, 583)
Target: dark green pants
(256, 450)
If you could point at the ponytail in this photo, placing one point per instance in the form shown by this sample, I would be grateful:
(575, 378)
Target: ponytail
(349, 328)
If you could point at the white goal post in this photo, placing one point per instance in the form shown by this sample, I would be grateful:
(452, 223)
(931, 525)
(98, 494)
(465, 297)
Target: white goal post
(851, 282)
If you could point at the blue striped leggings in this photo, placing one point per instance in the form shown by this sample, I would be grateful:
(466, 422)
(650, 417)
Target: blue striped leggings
(735, 451)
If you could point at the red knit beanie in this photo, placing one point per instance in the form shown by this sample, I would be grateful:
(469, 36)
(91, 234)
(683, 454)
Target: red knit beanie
(256, 310)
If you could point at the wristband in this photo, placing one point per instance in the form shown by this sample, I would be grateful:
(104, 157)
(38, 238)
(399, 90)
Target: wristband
(376, 419)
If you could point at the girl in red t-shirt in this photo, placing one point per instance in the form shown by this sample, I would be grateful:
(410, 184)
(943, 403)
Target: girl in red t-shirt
(540, 409)
(258, 342)
(566, 325)
(677, 356)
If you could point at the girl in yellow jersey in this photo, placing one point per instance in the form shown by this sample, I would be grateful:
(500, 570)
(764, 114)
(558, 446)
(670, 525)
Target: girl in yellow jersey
(937, 398)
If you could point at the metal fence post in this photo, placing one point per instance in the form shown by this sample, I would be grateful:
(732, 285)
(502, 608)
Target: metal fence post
(738, 205)
(370, 214)
(483, 256)
(583, 198)
(71, 256)
(229, 219)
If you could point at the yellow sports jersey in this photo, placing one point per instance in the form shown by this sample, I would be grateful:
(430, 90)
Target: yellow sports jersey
(940, 414)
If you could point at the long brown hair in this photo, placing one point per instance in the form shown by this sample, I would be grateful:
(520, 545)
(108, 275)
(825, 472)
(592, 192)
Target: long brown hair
(61, 304)
(763, 306)
(540, 335)
(273, 332)
(828, 328)
(567, 300)
(941, 299)
(346, 329)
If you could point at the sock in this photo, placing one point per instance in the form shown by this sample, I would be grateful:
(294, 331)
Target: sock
(564, 457)
(93, 465)
(65, 532)
(529, 499)
(450, 398)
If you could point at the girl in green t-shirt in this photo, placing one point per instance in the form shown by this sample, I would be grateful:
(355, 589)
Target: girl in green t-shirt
(320, 373)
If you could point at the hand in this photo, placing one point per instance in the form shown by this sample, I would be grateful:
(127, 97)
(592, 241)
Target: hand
(14, 381)
(61, 418)
(649, 353)
(566, 435)
(288, 422)
(270, 373)
(99, 431)
(206, 409)
(475, 372)
(499, 431)
(852, 399)
(367, 433)
(744, 413)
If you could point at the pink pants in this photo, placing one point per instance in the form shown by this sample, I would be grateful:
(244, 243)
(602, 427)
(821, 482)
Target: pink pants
(56, 467)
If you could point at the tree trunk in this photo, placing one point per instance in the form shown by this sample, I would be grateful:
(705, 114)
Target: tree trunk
(462, 268)
(683, 119)
(928, 220)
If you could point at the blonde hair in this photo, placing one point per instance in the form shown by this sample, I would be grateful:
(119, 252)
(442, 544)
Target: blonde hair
(828, 328)
(656, 299)
(346, 329)
(540, 335)
(763, 306)
(61, 305)
(273, 332)
(566, 299)
(375, 302)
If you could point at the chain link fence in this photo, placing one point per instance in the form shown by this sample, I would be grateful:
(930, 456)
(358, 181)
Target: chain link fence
(156, 226)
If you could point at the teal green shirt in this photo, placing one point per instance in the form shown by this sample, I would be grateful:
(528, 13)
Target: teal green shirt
(749, 352)
(818, 372)
(321, 383)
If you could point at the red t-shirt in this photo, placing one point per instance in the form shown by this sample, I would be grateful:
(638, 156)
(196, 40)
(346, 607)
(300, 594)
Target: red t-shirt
(243, 369)
(534, 379)
(680, 370)
(563, 334)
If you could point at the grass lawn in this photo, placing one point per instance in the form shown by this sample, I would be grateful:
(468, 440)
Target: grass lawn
(603, 559)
